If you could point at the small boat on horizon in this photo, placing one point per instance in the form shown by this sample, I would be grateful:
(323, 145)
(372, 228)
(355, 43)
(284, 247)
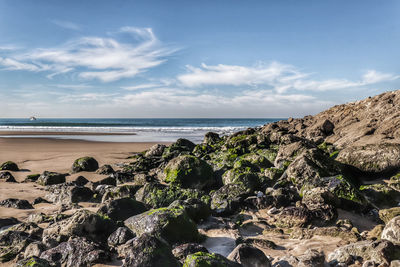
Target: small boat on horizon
(32, 118)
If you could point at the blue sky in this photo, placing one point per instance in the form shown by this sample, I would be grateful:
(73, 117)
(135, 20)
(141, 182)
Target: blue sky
(229, 58)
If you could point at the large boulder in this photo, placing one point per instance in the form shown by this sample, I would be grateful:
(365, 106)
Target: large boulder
(248, 256)
(12, 243)
(197, 209)
(9, 166)
(155, 151)
(105, 170)
(120, 237)
(189, 172)
(76, 252)
(290, 217)
(391, 231)
(321, 203)
(66, 194)
(172, 224)
(381, 251)
(85, 164)
(182, 251)
(121, 209)
(16, 203)
(148, 250)
(82, 223)
(50, 178)
(242, 175)
(7, 177)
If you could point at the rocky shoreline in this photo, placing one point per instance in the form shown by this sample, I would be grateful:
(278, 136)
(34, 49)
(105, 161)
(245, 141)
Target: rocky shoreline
(323, 190)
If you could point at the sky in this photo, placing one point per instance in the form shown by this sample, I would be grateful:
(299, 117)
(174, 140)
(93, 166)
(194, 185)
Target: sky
(184, 58)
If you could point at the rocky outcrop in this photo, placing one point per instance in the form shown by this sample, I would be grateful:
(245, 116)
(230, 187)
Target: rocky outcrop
(7, 177)
(121, 209)
(51, 178)
(9, 166)
(391, 231)
(248, 256)
(16, 203)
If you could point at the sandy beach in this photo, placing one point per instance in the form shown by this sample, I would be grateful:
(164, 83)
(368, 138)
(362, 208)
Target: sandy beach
(35, 155)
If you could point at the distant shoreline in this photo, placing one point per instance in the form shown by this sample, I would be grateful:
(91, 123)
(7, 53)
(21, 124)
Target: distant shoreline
(29, 133)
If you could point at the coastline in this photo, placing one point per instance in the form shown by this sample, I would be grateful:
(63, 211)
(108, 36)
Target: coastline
(50, 133)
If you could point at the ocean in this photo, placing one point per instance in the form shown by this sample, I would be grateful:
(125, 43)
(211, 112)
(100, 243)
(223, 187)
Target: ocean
(143, 130)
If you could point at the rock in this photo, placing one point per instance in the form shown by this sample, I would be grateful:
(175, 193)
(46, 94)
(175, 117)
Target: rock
(279, 197)
(327, 127)
(247, 178)
(39, 200)
(395, 263)
(33, 262)
(13, 242)
(16, 204)
(82, 223)
(121, 209)
(76, 252)
(380, 195)
(34, 249)
(8, 177)
(81, 181)
(391, 231)
(146, 251)
(51, 178)
(155, 151)
(158, 195)
(330, 231)
(172, 224)
(7, 221)
(387, 214)
(105, 170)
(65, 194)
(311, 258)
(249, 256)
(85, 164)
(9, 166)
(211, 138)
(32, 177)
(189, 172)
(290, 217)
(381, 251)
(120, 236)
(182, 251)
(123, 177)
(105, 181)
(196, 209)
(202, 259)
(117, 192)
(321, 203)
(227, 199)
(180, 147)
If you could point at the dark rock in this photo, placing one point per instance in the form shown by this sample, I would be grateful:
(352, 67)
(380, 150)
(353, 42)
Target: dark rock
(189, 172)
(105, 181)
(76, 252)
(85, 164)
(40, 200)
(8, 177)
(248, 256)
(172, 224)
(182, 251)
(123, 177)
(121, 191)
(121, 209)
(9, 166)
(321, 203)
(34, 249)
(155, 151)
(291, 217)
(180, 147)
(391, 231)
(81, 181)
(105, 170)
(16, 203)
(12, 243)
(33, 262)
(147, 251)
(327, 127)
(51, 178)
(120, 236)
(82, 223)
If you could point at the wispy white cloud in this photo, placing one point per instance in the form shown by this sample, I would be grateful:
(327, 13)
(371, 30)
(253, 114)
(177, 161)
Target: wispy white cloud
(67, 24)
(73, 86)
(140, 86)
(105, 59)
(97, 97)
(277, 76)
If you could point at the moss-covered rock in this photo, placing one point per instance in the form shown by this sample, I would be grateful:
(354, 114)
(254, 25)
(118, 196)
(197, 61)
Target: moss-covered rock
(33, 262)
(197, 209)
(172, 224)
(258, 160)
(9, 166)
(189, 172)
(32, 177)
(243, 176)
(180, 147)
(204, 259)
(85, 164)
(227, 199)
(158, 195)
